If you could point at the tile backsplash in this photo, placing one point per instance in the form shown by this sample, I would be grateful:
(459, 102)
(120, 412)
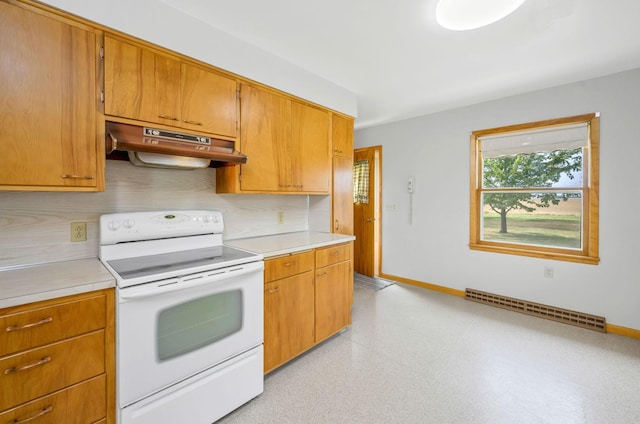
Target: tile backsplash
(35, 226)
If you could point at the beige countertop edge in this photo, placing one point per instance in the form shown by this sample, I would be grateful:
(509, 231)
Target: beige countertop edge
(288, 243)
(20, 286)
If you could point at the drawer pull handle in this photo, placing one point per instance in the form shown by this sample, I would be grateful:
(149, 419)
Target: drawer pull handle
(337, 252)
(14, 370)
(324, 274)
(277, 289)
(39, 414)
(186, 121)
(290, 263)
(171, 118)
(78, 177)
(33, 324)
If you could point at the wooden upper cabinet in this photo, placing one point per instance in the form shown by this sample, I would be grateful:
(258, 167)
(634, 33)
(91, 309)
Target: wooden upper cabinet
(48, 104)
(342, 136)
(264, 128)
(310, 150)
(209, 101)
(287, 143)
(150, 86)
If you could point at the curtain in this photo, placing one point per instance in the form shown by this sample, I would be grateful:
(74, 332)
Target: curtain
(361, 181)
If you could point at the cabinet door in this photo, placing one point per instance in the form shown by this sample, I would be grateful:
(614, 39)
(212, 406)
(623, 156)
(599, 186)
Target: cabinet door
(208, 101)
(48, 103)
(333, 289)
(288, 319)
(342, 136)
(309, 149)
(342, 195)
(140, 84)
(264, 135)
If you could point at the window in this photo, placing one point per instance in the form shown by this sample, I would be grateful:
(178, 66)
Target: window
(361, 181)
(534, 189)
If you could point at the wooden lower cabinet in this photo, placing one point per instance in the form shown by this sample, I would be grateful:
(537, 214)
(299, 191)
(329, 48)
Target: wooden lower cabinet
(333, 290)
(57, 360)
(307, 298)
(80, 404)
(289, 319)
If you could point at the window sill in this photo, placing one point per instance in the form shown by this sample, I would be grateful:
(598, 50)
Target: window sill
(567, 257)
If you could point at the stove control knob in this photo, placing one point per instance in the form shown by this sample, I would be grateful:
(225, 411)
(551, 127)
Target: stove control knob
(207, 218)
(215, 219)
(129, 223)
(114, 225)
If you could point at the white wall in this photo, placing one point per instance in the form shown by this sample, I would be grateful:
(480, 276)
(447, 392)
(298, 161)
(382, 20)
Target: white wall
(158, 23)
(35, 226)
(435, 150)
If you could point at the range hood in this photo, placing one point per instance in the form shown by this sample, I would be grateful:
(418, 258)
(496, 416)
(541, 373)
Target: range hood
(168, 149)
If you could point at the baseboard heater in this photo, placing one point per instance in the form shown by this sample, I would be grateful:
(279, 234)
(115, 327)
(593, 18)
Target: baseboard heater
(578, 319)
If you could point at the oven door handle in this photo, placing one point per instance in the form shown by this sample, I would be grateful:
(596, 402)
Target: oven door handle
(188, 281)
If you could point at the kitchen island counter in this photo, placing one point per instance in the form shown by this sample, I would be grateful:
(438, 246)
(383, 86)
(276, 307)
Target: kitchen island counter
(29, 284)
(283, 244)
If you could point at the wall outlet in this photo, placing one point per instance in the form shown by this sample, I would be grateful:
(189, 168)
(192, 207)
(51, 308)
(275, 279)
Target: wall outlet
(280, 217)
(78, 231)
(548, 272)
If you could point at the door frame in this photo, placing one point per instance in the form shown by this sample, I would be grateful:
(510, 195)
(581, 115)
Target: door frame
(377, 193)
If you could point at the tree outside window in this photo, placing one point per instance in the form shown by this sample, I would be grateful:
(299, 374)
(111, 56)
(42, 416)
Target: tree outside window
(534, 189)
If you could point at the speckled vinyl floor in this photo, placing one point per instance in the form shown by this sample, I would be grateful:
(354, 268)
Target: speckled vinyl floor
(418, 356)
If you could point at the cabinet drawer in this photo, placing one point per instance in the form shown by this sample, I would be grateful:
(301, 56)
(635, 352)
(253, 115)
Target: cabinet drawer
(79, 404)
(43, 370)
(24, 328)
(286, 266)
(333, 255)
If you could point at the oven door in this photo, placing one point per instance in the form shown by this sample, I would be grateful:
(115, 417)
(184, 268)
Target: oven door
(173, 329)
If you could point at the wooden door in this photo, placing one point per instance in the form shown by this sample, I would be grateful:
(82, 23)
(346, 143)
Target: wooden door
(366, 215)
(264, 135)
(48, 102)
(288, 318)
(309, 148)
(208, 101)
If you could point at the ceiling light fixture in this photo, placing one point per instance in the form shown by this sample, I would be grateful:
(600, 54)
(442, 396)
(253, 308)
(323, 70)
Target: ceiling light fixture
(462, 15)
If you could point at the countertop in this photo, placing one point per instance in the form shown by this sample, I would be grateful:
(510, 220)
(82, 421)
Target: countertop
(19, 286)
(29, 284)
(282, 244)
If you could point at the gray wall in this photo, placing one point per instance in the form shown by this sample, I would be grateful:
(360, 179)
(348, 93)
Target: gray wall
(434, 248)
